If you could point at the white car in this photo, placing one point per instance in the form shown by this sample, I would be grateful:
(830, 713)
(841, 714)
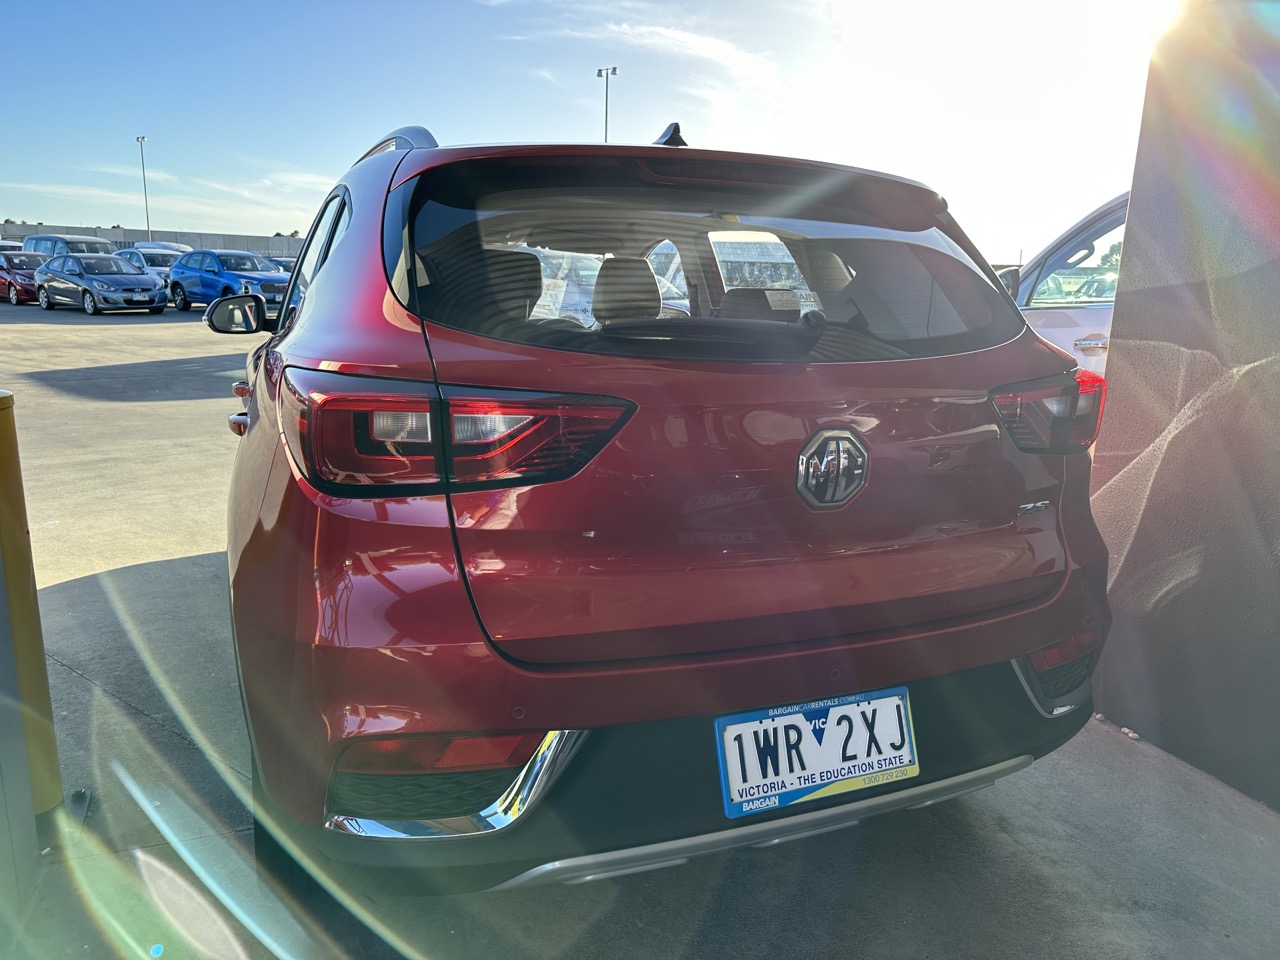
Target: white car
(154, 260)
(1068, 290)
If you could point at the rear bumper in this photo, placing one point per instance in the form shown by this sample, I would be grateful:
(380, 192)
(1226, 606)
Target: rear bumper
(672, 853)
(307, 701)
(648, 795)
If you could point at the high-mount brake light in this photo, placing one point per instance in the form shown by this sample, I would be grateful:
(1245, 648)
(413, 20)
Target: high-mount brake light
(365, 437)
(1058, 414)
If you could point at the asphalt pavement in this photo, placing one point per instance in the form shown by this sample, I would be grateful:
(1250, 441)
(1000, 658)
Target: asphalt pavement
(1107, 848)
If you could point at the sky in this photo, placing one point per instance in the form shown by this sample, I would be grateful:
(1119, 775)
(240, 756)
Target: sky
(1023, 113)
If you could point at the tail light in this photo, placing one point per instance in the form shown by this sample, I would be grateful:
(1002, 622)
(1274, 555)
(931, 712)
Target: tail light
(1060, 671)
(351, 432)
(1063, 652)
(419, 755)
(496, 441)
(1058, 414)
(364, 437)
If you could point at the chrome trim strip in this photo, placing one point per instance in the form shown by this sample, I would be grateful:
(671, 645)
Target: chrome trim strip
(1044, 706)
(1100, 342)
(528, 788)
(654, 856)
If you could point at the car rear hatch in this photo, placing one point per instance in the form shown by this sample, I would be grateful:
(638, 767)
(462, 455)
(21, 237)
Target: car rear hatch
(813, 448)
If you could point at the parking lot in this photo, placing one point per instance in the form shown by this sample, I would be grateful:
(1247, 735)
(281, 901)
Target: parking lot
(1108, 848)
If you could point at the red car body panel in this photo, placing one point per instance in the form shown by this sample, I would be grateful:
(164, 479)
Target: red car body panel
(702, 481)
(356, 617)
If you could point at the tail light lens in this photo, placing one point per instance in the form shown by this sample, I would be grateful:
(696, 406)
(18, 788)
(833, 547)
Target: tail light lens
(364, 437)
(496, 441)
(351, 432)
(1063, 652)
(418, 755)
(1058, 414)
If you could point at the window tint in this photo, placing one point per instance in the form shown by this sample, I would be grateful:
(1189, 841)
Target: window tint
(242, 263)
(109, 266)
(208, 262)
(313, 254)
(1083, 273)
(54, 264)
(665, 260)
(89, 246)
(767, 272)
(44, 246)
(344, 220)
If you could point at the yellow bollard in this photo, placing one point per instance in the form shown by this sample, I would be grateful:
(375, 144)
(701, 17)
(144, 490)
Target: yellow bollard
(24, 621)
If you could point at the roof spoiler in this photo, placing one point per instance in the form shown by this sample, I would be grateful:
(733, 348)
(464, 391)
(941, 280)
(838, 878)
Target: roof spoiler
(404, 138)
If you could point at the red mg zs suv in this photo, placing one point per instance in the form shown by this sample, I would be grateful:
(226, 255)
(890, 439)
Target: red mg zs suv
(520, 596)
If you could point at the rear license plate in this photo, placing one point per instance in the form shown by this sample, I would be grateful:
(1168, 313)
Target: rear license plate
(778, 756)
(274, 298)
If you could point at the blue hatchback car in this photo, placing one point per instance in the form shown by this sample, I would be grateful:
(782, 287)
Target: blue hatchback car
(203, 276)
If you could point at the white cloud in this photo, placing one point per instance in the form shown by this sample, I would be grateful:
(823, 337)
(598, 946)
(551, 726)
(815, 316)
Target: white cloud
(123, 170)
(251, 212)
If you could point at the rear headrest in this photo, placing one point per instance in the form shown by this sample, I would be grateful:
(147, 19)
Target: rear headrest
(753, 303)
(489, 287)
(626, 289)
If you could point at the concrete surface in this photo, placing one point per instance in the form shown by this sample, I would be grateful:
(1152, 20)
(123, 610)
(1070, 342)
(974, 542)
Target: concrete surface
(1108, 848)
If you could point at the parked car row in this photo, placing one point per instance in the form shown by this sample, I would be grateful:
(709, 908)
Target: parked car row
(185, 276)
(67, 270)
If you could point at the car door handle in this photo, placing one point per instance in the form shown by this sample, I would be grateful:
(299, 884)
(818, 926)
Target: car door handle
(1093, 343)
(239, 423)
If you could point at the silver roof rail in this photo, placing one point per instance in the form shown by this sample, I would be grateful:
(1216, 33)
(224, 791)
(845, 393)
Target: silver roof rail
(671, 137)
(404, 138)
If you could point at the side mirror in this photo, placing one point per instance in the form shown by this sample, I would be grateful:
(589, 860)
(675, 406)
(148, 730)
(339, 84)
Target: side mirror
(210, 269)
(73, 271)
(242, 313)
(1011, 277)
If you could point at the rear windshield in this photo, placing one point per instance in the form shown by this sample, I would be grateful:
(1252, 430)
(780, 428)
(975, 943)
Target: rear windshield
(613, 262)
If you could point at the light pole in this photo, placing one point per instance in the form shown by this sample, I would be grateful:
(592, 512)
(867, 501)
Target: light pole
(146, 204)
(606, 72)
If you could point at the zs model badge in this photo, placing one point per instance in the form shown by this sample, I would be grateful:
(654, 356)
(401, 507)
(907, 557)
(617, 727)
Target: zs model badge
(832, 468)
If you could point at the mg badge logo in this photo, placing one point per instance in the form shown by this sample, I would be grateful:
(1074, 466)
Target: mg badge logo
(832, 468)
